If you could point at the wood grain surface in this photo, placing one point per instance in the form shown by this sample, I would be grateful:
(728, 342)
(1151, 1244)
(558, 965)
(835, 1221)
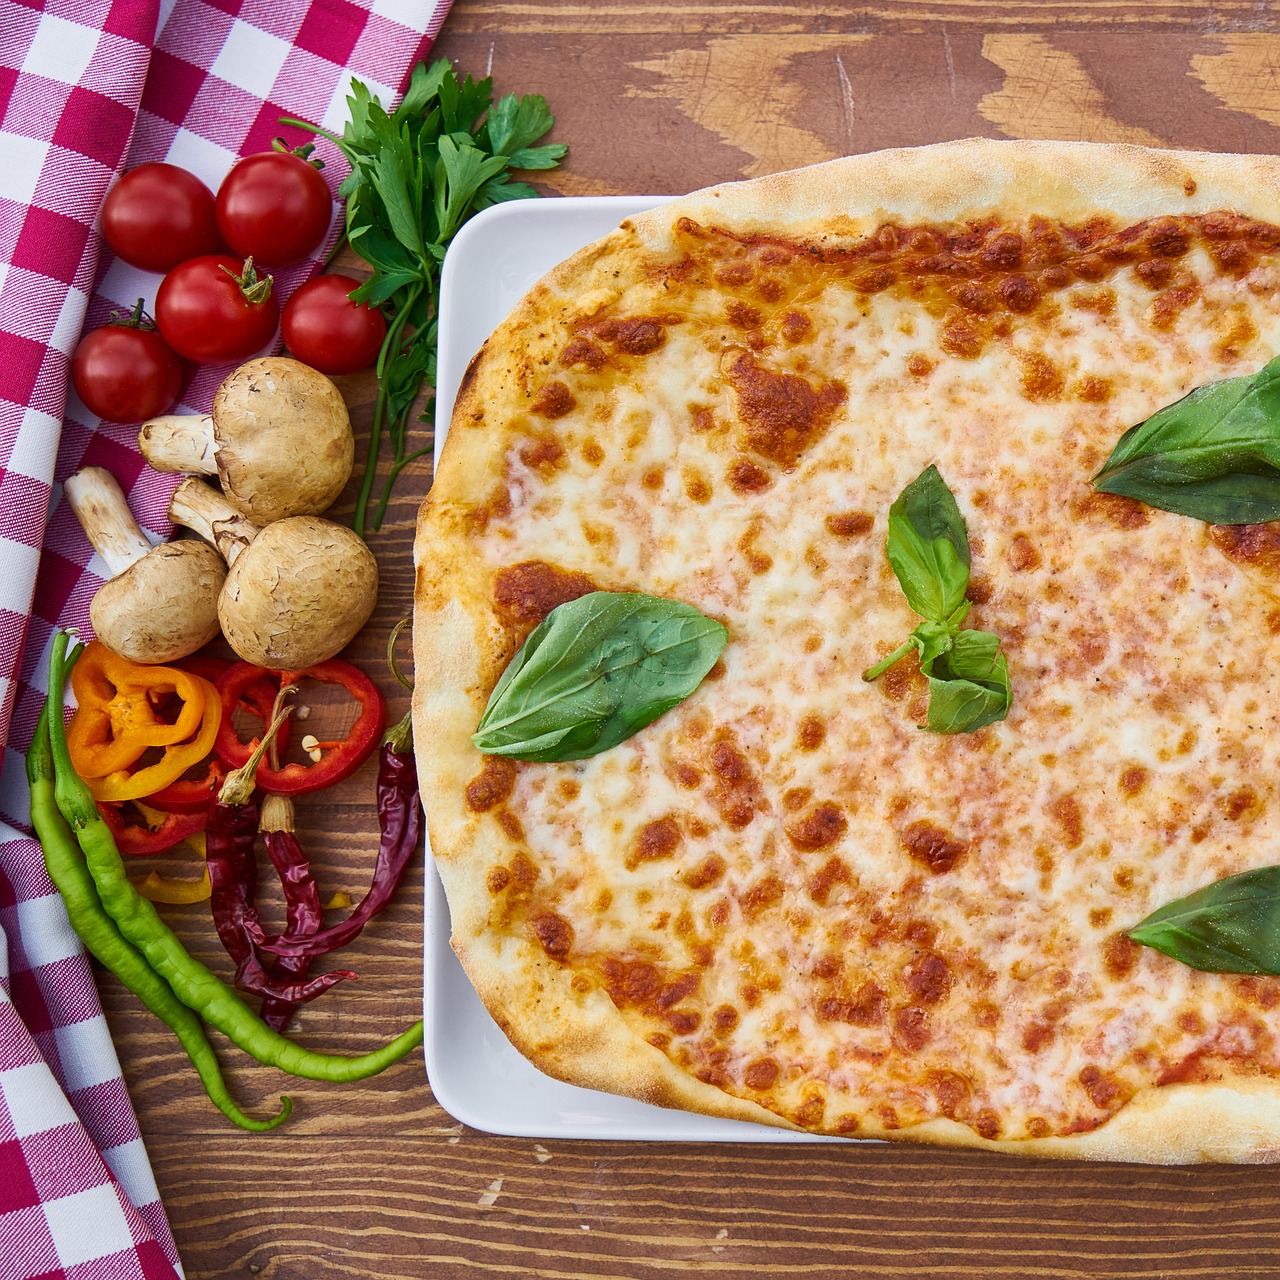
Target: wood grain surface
(377, 1180)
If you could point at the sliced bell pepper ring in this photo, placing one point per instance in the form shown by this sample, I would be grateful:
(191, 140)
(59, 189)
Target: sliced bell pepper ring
(116, 720)
(157, 832)
(191, 795)
(175, 760)
(333, 760)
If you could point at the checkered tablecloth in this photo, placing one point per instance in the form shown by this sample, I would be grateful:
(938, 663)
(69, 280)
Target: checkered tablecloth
(88, 87)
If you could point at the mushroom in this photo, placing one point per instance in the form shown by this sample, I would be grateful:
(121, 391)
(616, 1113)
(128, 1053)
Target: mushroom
(297, 591)
(161, 603)
(278, 438)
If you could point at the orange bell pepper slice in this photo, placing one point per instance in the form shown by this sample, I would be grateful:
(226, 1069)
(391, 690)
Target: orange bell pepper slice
(164, 889)
(176, 760)
(116, 720)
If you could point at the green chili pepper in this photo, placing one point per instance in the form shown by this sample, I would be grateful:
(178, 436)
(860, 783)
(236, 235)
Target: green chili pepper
(98, 932)
(192, 983)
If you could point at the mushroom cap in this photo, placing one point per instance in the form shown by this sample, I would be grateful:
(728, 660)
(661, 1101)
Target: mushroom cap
(162, 607)
(284, 439)
(298, 593)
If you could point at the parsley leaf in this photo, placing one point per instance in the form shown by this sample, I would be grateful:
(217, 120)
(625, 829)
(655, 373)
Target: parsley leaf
(417, 174)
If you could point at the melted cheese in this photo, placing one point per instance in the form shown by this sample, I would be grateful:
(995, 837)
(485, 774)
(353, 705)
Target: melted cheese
(784, 884)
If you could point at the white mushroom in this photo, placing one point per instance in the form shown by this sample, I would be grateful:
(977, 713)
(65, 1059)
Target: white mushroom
(298, 590)
(278, 438)
(161, 603)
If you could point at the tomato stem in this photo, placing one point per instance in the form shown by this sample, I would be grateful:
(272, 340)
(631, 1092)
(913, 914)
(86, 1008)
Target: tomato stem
(255, 288)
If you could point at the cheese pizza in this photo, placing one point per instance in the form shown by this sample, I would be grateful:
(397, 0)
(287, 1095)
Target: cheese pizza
(784, 900)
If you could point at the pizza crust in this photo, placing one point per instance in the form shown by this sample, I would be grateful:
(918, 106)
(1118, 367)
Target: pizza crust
(461, 645)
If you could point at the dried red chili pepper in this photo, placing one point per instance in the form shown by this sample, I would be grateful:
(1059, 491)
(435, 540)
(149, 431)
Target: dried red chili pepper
(233, 872)
(304, 913)
(138, 839)
(399, 817)
(338, 760)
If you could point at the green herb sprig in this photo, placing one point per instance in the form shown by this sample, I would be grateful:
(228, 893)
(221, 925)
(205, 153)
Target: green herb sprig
(595, 671)
(417, 174)
(928, 548)
(1214, 455)
(1229, 926)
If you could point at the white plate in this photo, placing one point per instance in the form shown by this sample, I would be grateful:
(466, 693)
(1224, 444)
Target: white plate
(475, 1073)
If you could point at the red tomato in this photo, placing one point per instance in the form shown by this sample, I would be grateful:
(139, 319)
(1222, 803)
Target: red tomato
(211, 310)
(158, 215)
(274, 207)
(325, 329)
(126, 373)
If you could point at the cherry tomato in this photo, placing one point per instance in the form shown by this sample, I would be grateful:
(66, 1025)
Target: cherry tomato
(274, 207)
(158, 215)
(325, 329)
(125, 371)
(215, 309)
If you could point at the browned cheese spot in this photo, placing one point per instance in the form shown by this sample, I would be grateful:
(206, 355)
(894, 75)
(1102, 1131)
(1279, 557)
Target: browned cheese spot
(706, 873)
(745, 477)
(634, 335)
(811, 733)
(865, 1008)
(952, 1091)
(1041, 378)
(1120, 955)
(1110, 508)
(1093, 389)
(741, 315)
(554, 933)
(542, 453)
(934, 849)
(1133, 779)
(919, 365)
(986, 1124)
(962, 337)
(1170, 304)
(1155, 273)
(796, 326)
(525, 593)
(819, 829)
(1066, 812)
(592, 452)
(761, 1074)
(761, 896)
(910, 1028)
(696, 487)
(927, 979)
(492, 785)
(1242, 804)
(850, 524)
(582, 351)
(832, 872)
(1104, 1090)
(1256, 546)
(555, 400)
(497, 879)
(1023, 555)
(658, 839)
(510, 824)
(782, 412)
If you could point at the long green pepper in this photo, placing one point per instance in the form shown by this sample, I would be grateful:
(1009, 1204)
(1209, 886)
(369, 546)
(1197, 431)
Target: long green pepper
(193, 984)
(98, 932)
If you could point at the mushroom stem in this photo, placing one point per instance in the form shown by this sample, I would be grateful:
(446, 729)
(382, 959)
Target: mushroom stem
(99, 504)
(206, 512)
(180, 442)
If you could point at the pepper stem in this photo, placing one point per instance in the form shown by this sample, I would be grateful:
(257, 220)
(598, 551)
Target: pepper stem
(400, 736)
(240, 783)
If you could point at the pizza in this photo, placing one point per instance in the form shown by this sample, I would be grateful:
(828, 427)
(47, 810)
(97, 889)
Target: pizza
(783, 900)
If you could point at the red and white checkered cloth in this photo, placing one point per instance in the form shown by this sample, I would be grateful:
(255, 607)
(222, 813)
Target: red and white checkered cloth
(87, 88)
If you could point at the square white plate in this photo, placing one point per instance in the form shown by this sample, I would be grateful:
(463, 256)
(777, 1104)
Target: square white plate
(475, 1073)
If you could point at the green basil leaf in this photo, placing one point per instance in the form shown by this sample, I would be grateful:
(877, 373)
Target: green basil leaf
(1230, 926)
(1214, 455)
(928, 546)
(961, 704)
(595, 671)
(932, 640)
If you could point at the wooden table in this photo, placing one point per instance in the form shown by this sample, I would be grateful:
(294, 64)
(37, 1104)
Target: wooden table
(665, 96)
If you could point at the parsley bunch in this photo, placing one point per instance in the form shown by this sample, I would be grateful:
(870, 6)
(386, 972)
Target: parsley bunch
(417, 174)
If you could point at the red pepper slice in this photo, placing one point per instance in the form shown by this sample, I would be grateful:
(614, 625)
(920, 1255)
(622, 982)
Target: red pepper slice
(338, 759)
(191, 795)
(140, 841)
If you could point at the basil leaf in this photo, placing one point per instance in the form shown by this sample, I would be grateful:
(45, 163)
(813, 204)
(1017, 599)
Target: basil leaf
(1214, 455)
(1230, 926)
(595, 671)
(928, 546)
(968, 684)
